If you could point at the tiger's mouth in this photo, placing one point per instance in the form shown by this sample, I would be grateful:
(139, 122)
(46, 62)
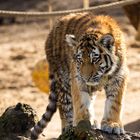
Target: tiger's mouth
(93, 81)
(97, 81)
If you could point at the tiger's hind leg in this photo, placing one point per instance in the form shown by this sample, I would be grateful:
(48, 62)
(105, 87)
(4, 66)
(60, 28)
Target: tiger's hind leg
(65, 110)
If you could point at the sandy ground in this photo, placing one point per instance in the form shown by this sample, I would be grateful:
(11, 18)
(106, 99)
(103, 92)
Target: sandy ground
(22, 45)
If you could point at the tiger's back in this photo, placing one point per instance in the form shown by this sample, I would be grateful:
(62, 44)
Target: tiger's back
(78, 24)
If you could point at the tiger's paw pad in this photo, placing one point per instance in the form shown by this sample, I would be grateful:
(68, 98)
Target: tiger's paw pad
(113, 128)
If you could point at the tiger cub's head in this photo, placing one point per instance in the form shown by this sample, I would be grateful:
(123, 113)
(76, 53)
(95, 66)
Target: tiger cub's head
(94, 56)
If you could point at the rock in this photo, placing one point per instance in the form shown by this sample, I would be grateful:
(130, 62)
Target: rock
(84, 131)
(16, 122)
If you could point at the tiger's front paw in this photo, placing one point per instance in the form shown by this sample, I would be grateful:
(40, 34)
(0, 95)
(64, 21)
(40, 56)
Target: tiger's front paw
(112, 127)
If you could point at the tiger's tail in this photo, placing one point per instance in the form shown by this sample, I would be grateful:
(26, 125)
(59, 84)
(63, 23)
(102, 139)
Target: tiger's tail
(50, 110)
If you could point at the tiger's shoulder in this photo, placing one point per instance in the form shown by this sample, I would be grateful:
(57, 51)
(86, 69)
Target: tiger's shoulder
(79, 23)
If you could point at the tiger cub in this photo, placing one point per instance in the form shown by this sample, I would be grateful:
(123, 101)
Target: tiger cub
(86, 53)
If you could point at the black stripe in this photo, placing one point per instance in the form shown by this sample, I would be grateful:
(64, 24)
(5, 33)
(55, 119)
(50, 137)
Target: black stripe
(53, 97)
(98, 32)
(59, 37)
(107, 70)
(81, 22)
(91, 46)
(77, 21)
(98, 59)
(40, 125)
(49, 47)
(46, 118)
(53, 39)
(51, 108)
(53, 86)
(111, 63)
(106, 60)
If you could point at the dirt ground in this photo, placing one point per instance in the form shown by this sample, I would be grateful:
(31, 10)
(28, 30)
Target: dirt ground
(22, 45)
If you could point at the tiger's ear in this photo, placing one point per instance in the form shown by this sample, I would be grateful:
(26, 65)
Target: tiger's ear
(107, 41)
(71, 40)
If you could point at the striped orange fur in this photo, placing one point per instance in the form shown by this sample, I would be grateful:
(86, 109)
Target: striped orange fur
(86, 53)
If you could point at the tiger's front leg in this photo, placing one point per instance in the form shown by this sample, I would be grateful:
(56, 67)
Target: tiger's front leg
(80, 110)
(81, 99)
(84, 109)
(111, 121)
